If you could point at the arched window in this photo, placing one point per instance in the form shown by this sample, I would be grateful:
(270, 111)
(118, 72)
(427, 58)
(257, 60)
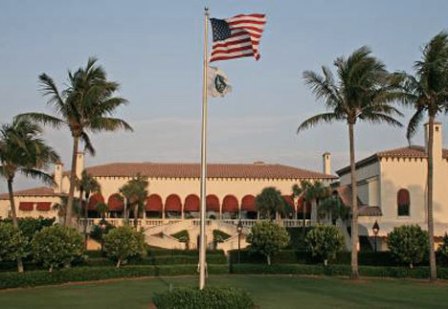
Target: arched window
(403, 202)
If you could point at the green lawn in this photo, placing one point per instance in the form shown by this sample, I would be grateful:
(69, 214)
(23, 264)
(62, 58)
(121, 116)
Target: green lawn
(277, 292)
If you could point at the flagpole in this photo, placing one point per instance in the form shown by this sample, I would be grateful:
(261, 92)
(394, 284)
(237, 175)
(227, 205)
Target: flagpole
(202, 236)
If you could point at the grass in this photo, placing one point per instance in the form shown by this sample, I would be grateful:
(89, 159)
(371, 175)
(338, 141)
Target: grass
(268, 291)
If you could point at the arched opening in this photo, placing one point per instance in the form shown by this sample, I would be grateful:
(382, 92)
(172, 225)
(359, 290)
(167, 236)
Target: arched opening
(173, 207)
(154, 207)
(403, 202)
(289, 209)
(230, 208)
(91, 207)
(115, 205)
(191, 206)
(212, 206)
(248, 208)
(303, 209)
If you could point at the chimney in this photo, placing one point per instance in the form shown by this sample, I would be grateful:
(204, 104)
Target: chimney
(79, 164)
(438, 144)
(58, 169)
(326, 160)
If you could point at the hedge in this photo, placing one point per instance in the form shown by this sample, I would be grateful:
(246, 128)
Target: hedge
(153, 251)
(210, 297)
(337, 270)
(36, 278)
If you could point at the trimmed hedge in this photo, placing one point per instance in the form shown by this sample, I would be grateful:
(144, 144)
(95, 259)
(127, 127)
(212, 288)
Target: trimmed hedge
(210, 297)
(36, 278)
(337, 270)
(153, 251)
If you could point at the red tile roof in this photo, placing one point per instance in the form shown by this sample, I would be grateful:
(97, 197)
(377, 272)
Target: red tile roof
(41, 191)
(403, 152)
(192, 170)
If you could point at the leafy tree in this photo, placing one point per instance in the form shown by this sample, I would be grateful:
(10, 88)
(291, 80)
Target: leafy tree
(102, 209)
(98, 233)
(325, 241)
(270, 202)
(85, 106)
(124, 242)
(23, 151)
(427, 92)
(443, 249)
(333, 208)
(267, 238)
(135, 191)
(57, 246)
(363, 92)
(87, 185)
(12, 243)
(408, 244)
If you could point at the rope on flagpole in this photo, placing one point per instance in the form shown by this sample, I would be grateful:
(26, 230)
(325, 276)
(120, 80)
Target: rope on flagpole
(202, 235)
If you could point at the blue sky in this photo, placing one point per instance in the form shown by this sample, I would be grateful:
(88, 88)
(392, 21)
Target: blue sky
(154, 50)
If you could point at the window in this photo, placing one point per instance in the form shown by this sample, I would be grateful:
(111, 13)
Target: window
(403, 202)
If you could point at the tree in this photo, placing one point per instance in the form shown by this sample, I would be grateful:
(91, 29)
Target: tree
(135, 192)
(427, 92)
(23, 151)
(12, 243)
(443, 249)
(364, 92)
(102, 209)
(333, 208)
(267, 238)
(270, 202)
(124, 242)
(408, 244)
(85, 106)
(87, 185)
(325, 241)
(61, 208)
(57, 246)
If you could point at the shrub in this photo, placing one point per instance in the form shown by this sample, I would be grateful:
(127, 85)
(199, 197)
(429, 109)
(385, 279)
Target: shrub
(220, 236)
(267, 238)
(442, 251)
(182, 236)
(12, 243)
(408, 244)
(56, 245)
(325, 241)
(124, 242)
(210, 297)
(97, 233)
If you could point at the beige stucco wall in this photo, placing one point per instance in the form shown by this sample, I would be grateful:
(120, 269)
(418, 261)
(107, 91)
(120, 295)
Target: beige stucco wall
(5, 207)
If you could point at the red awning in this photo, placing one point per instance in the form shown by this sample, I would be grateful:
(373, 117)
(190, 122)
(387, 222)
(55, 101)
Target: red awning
(212, 203)
(289, 200)
(115, 202)
(230, 204)
(300, 205)
(94, 200)
(43, 206)
(26, 206)
(191, 203)
(248, 203)
(154, 203)
(173, 203)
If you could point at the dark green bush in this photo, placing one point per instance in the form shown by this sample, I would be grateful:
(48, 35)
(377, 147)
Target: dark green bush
(39, 277)
(210, 297)
(154, 251)
(182, 236)
(97, 233)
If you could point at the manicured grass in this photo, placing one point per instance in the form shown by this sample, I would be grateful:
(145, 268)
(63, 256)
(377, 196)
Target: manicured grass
(268, 291)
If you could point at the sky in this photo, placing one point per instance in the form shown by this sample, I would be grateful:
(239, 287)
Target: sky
(154, 50)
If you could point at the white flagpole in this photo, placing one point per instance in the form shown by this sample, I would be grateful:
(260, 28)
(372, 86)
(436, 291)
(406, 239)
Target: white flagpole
(202, 240)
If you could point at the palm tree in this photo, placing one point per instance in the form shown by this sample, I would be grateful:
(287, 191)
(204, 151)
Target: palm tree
(85, 106)
(135, 191)
(364, 91)
(23, 151)
(427, 92)
(61, 208)
(270, 202)
(333, 208)
(87, 185)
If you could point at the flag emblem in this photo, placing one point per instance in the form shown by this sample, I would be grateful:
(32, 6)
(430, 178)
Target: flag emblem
(217, 84)
(236, 37)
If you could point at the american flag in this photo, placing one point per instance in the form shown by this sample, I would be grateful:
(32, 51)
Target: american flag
(236, 37)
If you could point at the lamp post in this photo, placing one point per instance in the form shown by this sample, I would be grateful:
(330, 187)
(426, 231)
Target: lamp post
(239, 229)
(375, 229)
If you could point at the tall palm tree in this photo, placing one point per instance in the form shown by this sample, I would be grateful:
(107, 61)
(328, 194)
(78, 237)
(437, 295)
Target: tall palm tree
(23, 151)
(61, 208)
(427, 92)
(270, 202)
(364, 91)
(135, 191)
(87, 185)
(85, 106)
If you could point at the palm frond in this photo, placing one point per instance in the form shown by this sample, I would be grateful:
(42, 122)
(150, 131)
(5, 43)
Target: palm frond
(43, 118)
(87, 143)
(318, 119)
(414, 123)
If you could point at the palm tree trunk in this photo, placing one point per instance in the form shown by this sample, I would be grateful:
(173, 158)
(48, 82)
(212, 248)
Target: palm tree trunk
(71, 192)
(354, 230)
(15, 222)
(432, 256)
(136, 216)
